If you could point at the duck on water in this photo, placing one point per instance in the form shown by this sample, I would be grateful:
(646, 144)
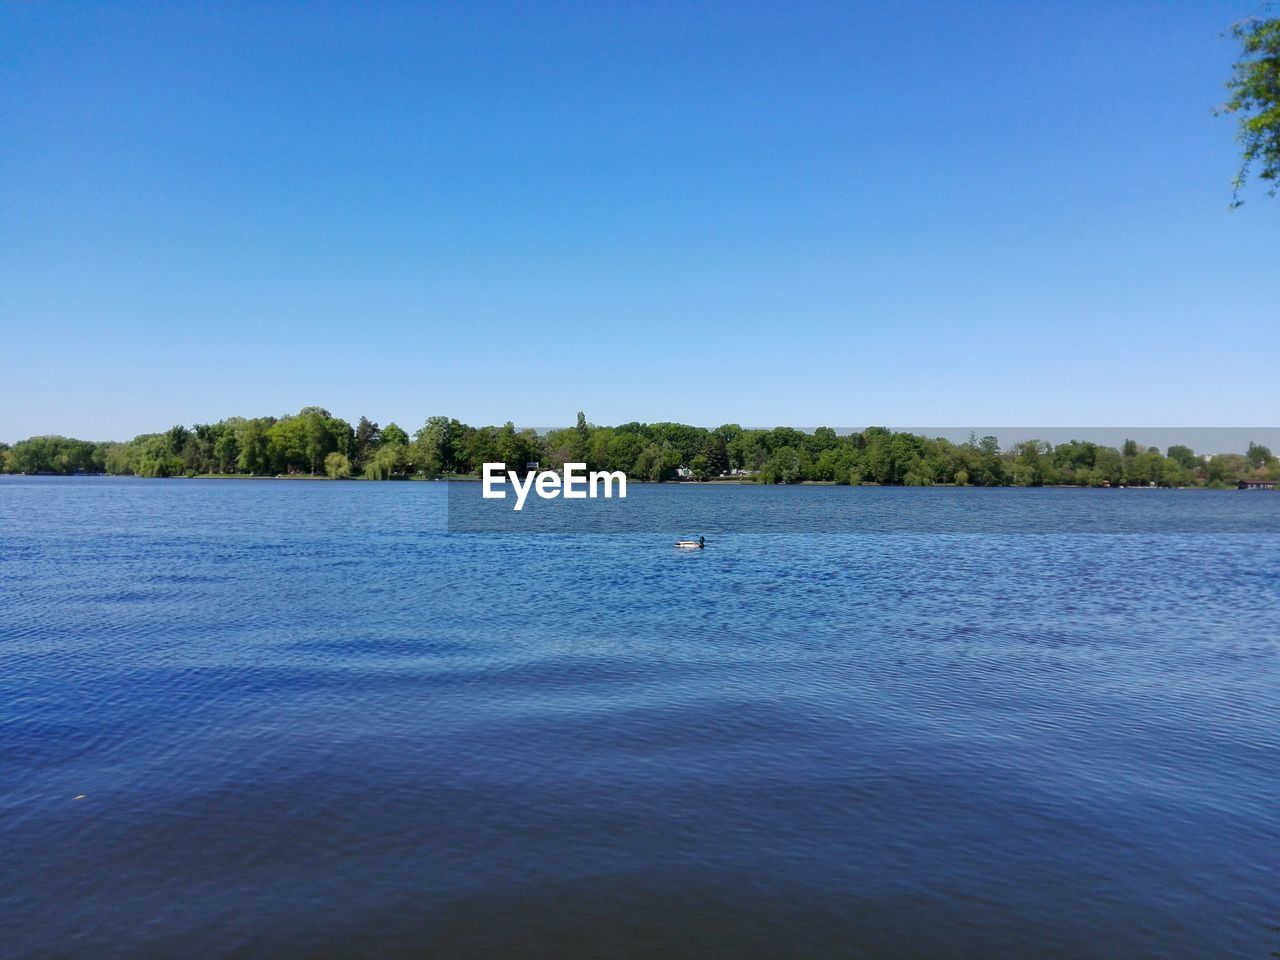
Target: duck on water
(698, 544)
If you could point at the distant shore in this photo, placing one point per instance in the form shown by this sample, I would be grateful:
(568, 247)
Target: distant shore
(714, 482)
(314, 444)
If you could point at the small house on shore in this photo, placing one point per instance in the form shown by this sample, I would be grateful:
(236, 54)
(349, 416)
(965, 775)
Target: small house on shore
(1264, 484)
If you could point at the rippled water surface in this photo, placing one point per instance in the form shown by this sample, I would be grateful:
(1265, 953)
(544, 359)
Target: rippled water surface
(252, 718)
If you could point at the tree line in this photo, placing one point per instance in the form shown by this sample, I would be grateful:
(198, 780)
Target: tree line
(313, 442)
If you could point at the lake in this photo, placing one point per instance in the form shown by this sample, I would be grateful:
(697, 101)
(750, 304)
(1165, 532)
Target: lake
(308, 719)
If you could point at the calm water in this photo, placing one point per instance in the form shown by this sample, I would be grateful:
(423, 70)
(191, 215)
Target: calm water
(308, 722)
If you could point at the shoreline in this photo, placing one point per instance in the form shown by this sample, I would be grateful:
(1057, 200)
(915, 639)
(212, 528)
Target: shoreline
(727, 481)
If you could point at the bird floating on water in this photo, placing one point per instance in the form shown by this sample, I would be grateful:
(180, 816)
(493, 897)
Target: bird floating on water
(692, 544)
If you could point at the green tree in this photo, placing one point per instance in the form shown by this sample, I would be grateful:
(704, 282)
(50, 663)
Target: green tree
(287, 445)
(226, 449)
(657, 461)
(621, 451)
(319, 441)
(1184, 456)
(156, 457)
(877, 456)
(583, 438)
(1146, 468)
(1226, 468)
(1030, 468)
(1258, 455)
(365, 440)
(176, 439)
(119, 460)
(918, 474)
(686, 440)
(1255, 96)
(1108, 466)
(254, 445)
(302, 442)
(62, 455)
(821, 440)
(747, 450)
(392, 433)
(436, 446)
(387, 461)
(598, 446)
(980, 459)
(783, 466)
(1174, 474)
(717, 455)
(337, 466)
(516, 450)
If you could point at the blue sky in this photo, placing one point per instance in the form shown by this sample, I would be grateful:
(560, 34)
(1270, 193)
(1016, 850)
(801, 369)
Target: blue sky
(801, 214)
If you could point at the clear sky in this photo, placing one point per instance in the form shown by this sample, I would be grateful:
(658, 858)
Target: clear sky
(784, 213)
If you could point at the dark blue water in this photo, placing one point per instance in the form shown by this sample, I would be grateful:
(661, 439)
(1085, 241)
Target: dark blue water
(303, 721)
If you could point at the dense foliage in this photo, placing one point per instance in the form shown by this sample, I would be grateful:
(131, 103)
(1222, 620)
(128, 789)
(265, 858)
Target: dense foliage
(1255, 95)
(313, 442)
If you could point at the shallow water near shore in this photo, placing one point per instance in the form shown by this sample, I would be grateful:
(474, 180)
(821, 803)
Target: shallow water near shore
(245, 718)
